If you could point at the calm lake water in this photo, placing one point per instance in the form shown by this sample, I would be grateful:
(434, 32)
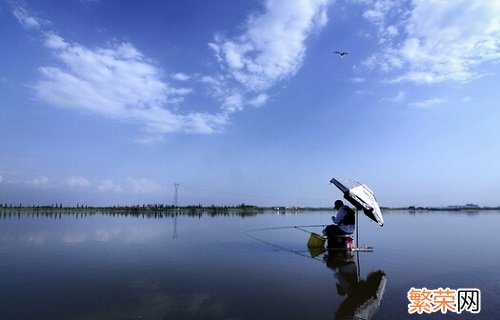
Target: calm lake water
(214, 267)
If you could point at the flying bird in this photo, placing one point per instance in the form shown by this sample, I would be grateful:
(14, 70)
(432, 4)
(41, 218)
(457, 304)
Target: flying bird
(341, 53)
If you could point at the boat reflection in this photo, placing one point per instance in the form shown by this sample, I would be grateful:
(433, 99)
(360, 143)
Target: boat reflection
(362, 296)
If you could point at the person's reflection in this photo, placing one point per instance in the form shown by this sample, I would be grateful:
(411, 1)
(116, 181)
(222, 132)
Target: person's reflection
(362, 296)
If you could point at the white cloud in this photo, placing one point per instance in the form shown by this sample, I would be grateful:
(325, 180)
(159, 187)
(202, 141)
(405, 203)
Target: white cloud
(392, 31)
(26, 20)
(358, 80)
(109, 186)
(117, 82)
(78, 181)
(429, 103)
(181, 76)
(143, 186)
(378, 14)
(259, 100)
(270, 49)
(40, 182)
(432, 41)
(400, 96)
(273, 45)
(150, 139)
(233, 102)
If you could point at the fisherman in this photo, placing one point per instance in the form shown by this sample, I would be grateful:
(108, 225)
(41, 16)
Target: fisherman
(343, 222)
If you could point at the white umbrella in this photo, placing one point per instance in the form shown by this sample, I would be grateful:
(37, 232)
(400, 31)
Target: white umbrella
(361, 197)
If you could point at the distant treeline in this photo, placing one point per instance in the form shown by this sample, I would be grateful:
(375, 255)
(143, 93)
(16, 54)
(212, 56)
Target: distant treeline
(150, 210)
(162, 210)
(157, 207)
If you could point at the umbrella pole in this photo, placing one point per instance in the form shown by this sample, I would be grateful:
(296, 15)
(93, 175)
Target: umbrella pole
(357, 245)
(357, 228)
(358, 265)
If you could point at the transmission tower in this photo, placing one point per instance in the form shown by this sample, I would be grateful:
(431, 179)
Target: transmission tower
(176, 205)
(176, 195)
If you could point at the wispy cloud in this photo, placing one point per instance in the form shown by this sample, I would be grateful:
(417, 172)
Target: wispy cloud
(41, 182)
(26, 20)
(435, 41)
(380, 12)
(400, 96)
(119, 82)
(131, 186)
(78, 181)
(259, 100)
(358, 80)
(427, 103)
(109, 186)
(143, 186)
(270, 49)
(181, 76)
(273, 44)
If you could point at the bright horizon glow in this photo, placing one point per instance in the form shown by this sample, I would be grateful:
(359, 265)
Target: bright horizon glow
(113, 103)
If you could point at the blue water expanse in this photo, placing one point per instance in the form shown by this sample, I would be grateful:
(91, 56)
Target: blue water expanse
(215, 267)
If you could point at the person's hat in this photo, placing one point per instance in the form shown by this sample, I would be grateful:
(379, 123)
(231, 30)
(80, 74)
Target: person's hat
(338, 204)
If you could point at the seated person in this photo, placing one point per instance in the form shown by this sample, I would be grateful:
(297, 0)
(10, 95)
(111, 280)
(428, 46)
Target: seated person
(343, 222)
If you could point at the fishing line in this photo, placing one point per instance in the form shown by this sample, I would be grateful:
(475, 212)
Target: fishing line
(300, 253)
(274, 245)
(289, 227)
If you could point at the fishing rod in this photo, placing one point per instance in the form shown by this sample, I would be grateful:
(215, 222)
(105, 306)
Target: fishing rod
(365, 248)
(289, 227)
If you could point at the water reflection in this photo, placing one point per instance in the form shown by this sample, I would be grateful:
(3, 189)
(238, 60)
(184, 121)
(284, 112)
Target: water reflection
(59, 213)
(68, 230)
(362, 296)
(105, 266)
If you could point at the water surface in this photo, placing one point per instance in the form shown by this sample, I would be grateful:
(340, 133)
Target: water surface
(67, 266)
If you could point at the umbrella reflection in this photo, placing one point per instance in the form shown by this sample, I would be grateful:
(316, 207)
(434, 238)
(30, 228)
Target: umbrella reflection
(362, 296)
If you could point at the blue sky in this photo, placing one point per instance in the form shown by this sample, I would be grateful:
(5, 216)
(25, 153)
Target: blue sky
(112, 102)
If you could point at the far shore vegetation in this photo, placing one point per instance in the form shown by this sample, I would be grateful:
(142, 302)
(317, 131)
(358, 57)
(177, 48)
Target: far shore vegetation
(169, 210)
